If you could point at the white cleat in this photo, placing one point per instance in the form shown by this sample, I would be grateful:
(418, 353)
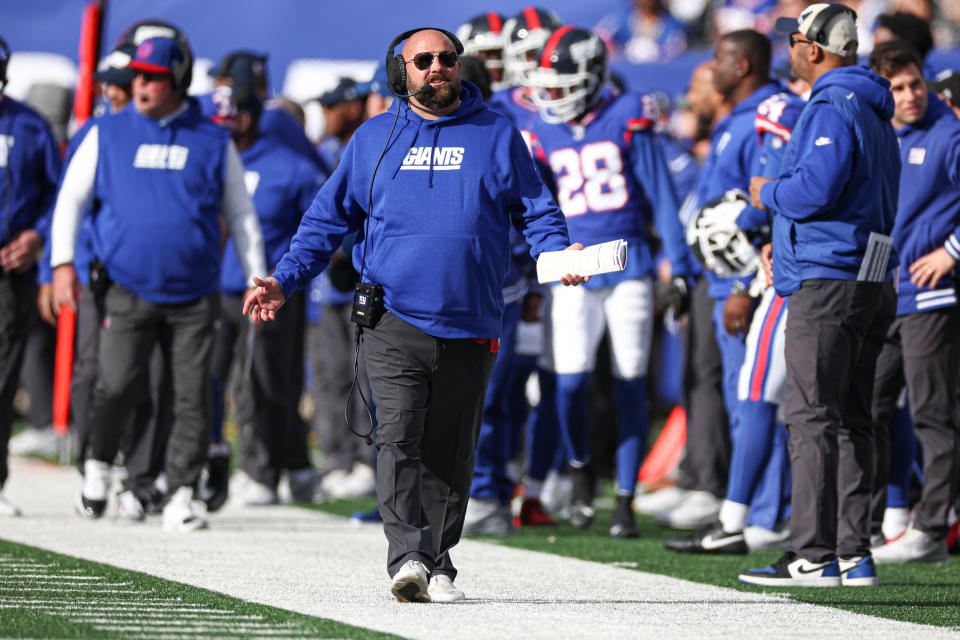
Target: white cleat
(699, 509)
(441, 589)
(654, 502)
(182, 513)
(913, 546)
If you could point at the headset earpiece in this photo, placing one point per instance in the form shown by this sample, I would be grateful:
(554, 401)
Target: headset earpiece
(816, 31)
(397, 67)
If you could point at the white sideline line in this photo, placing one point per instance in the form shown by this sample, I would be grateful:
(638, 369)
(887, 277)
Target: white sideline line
(159, 614)
(34, 576)
(46, 580)
(77, 603)
(233, 632)
(126, 591)
(229, 624)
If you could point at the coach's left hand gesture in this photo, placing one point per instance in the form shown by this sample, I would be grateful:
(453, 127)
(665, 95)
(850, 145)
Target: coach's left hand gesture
(263, 301)
(573, 279)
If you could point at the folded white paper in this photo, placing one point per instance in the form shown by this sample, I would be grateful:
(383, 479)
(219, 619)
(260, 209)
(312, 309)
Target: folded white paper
(589, 261)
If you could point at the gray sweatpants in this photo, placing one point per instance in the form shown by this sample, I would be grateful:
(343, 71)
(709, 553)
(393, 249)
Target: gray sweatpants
(921, 351)
(834, 334)
(429, 396)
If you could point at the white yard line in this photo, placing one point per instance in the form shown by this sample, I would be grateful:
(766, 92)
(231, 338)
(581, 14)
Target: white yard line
(320, 565)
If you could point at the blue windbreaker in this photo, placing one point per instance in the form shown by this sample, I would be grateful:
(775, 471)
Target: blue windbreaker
(839, 180)
(928, 214)
(444, 197)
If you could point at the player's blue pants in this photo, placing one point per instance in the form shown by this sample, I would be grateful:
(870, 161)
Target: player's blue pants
(543, 431)
(903, 455)
(494, 444)
(754, 479)
(631, 399)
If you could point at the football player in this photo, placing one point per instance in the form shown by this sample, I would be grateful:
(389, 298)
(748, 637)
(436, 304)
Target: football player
(600, 150)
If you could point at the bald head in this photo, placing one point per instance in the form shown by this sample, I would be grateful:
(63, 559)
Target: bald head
(435, 88)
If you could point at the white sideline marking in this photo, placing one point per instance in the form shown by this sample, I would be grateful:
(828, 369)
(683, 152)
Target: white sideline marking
(233, 632)
(161, 614)
(34, 576)
(126, 591)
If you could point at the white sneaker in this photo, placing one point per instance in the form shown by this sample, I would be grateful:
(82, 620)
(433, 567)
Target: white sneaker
(251, 493)
(7, 508)
(487, 517)
(182, 513)
(94, 489)
(359, 483)
(32, 442)
(129, 509)
(557, 493)
(699, 509)
(895, 522)
(441, 589)
(410, 583)
(761, 538)
(913, 546)
(654, 502)
(333, 478)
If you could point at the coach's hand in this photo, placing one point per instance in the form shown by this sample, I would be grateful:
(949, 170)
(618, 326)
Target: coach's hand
(21, 252)
(261, 303)
(766, 258)
(65, 286)
(570, 279)
(45, 304)
(927, 270)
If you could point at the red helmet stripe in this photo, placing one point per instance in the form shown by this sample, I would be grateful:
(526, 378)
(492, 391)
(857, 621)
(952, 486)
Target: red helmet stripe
(496, 24)
(532, 18)
(551, 45)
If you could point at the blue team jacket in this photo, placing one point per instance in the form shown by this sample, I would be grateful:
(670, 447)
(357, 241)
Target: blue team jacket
(444, 197)
(282, 184)
(159, 187)
(29, 170)
(928, 213)
(839, 180)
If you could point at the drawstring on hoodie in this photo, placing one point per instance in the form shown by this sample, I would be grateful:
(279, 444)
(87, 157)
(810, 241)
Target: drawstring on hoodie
(433, 150)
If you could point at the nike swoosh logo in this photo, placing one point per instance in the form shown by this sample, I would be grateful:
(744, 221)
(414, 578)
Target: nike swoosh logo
(709, 543)
(849, 95)
(813, 569)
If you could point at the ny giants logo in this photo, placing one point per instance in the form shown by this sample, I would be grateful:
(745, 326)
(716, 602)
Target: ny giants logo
(161, 156)
(443, 158)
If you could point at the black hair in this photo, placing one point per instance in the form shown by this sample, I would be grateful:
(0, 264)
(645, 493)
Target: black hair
(755, 47)
(906, 26)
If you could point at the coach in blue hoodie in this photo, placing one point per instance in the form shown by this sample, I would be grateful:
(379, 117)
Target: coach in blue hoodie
(453, 176)
(833, 210)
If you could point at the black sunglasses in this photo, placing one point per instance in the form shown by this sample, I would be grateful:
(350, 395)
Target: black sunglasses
(424, 60)
(795, 40)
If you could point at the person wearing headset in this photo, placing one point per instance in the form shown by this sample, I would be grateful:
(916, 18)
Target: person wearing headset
(29, 172)
(163, 175)
(833, 208)
(433, 245)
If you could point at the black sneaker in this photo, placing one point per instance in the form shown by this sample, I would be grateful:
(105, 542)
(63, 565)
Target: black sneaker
(622, 524)
(89, 509)
(581, 515)
(794, 571)
(217, 487)
(711, 539)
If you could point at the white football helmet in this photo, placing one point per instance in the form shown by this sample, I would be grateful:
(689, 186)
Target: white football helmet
(716, 240)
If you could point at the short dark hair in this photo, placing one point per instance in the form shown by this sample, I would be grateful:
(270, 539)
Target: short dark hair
(890, 58)
(906, 26)
(755, 47)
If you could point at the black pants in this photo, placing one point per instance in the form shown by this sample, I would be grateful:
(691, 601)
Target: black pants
(707, 462)
(834, 334)
(273, 436)
(145, 434)
(36, 373)
(429, 396)
(921, 351)
(332, 351)
(18, 307)
(131, 330)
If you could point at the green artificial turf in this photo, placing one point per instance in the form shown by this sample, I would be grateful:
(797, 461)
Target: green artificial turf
(135, 606)
(912, 593)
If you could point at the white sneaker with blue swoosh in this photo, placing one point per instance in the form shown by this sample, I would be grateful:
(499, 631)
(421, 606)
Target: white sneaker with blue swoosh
(793, 571)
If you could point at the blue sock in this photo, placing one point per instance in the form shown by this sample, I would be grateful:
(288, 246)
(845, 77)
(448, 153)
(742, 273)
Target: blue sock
(631, 398)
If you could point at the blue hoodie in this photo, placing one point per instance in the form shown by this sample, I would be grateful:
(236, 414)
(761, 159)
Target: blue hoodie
(928, 214)
(282, 184)
(444, 197)
(158, 232)
(29, 170)
(839, 181)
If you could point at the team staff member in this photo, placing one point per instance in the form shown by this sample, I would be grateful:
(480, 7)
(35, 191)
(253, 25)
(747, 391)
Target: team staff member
(921, 347)
(273, 436)
(163, 175)
(30, 164)
(453, 176)
(833, 208)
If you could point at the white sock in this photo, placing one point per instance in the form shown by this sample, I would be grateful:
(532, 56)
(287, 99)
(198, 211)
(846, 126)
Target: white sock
(532, 488)
(733, 516)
